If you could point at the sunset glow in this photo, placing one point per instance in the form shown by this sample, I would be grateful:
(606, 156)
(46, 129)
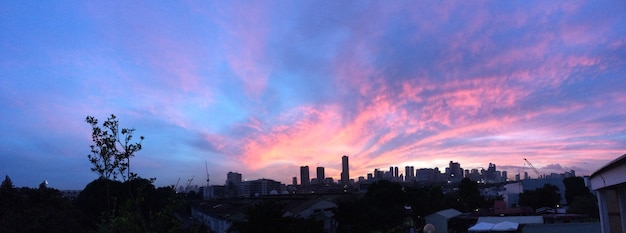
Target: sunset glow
(265, 87)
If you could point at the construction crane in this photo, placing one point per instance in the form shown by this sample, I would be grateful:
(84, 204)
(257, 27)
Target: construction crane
(206, 189)
(176, 185)
(539, 175)
(189, 183)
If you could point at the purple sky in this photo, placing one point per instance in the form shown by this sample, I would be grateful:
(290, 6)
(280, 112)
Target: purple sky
(262, 88)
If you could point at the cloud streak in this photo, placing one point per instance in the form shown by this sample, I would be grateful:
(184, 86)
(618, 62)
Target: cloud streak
(264, 89)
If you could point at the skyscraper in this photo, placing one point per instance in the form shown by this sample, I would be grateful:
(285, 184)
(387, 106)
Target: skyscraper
(233, 184)
(455, 172)
(305, 180)
(409, 173)
(320, 175)
(345, 173)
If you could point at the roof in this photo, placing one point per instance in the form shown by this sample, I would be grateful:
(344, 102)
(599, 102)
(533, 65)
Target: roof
(515, 219)
(449, 213)
(481, 226)
(505, 226)
(586, 227)
(490, 227)
(613, 173)
(615, 162)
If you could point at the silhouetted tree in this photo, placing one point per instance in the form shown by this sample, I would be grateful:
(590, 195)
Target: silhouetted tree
(469, 195)
(35, 210)
(547, 196)
(264, 216)
(584, 204)
(381, 209)
(112, 148)
(574, 186)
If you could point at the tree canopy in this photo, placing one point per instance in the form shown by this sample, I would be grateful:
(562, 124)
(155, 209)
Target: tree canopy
(112, 148)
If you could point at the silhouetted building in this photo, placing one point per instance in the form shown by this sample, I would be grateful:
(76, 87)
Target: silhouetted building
(455, 172)
(261, 187)
(305, 180)
(320, 175)
(345, 170)
(428, 175)
(294, 181)
(329, 180)
(409, 173)
(490, 174)
(233, 184)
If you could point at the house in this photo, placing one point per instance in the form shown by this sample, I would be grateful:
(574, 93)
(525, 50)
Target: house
(609, 183)
(440, 219)
(586, 227)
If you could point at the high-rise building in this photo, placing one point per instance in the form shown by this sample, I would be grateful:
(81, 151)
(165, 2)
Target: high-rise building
(305, 180)
(262, 187)
(233, 184)
(345, 170)
(490, 174)
(320, 175)
(409, 174)
(294, 181)
(455, 172)
(396, 173)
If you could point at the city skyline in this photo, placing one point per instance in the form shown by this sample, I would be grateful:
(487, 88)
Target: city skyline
(263, 88)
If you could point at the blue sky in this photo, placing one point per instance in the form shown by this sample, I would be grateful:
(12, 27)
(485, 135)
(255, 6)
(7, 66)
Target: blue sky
(264, 87)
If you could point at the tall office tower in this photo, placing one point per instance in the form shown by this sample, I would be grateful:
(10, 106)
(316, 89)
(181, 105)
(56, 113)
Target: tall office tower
(320, 175)
(395, 172)
(505, 176)
(233, 184)
(390, 171)
(295, 181)
(490, 175)
(455, 172)
(345, 170)
(407, 173)
(305, 180)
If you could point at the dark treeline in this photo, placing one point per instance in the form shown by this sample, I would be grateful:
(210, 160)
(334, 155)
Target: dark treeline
(391, 207)
(146, 209)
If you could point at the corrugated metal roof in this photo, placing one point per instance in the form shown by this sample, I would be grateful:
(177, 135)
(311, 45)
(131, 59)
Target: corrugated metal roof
(587, 227)
(515, 219)
(449, 213)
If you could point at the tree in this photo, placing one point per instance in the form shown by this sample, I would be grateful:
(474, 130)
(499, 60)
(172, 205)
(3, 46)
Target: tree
(112, 148)
(381, 209)
(547, 196)
(579, 198)
(574, 186)
(469, 195)
(264, 216)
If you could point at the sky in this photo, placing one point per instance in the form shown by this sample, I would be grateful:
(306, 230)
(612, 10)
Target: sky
(264, 87)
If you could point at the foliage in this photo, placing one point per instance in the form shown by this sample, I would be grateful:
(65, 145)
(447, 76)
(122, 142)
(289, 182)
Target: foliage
(579, 198)
(547, 196)
(112, 148)
(35, 210)
(264, 216)
(574, 186)
(380, 210)
(469, 196)
(584, 204)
